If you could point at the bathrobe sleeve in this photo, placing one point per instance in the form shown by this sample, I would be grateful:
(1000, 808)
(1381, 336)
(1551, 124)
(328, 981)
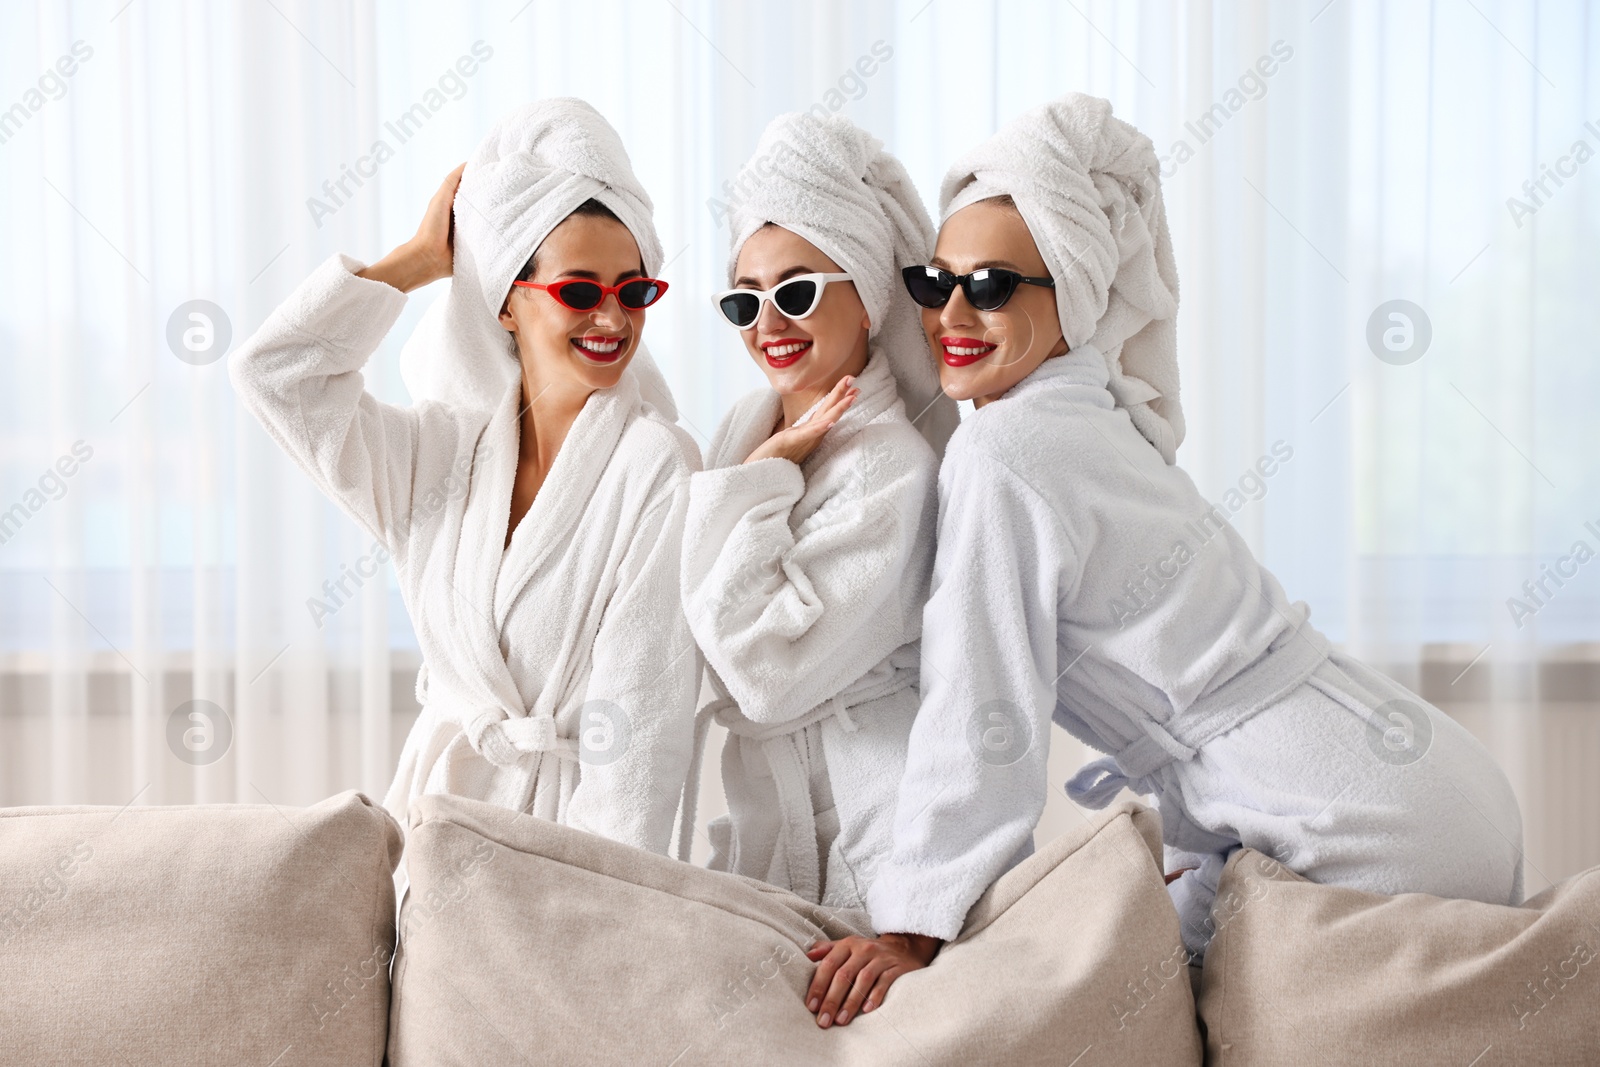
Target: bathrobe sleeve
(976, 775)
(643, 684)
(790, 616)
(300, 375)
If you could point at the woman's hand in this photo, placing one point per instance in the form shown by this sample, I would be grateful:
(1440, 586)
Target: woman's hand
(429, 255)
(795, 443)
(856, 973)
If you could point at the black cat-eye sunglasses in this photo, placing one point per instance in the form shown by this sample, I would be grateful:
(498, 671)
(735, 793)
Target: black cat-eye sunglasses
(987, 288)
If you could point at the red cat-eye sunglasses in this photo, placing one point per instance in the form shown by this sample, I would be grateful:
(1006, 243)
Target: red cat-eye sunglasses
(576, 294)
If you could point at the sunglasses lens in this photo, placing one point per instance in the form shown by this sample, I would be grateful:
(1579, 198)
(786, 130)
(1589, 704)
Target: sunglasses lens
(740, 308)
(640, 293)
(928, 286)
(579, 296)
(990, 288)
(796, 298)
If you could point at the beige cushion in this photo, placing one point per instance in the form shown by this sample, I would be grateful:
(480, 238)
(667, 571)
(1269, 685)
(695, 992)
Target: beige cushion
(1305, 973)
(237, 934)
(527, 942)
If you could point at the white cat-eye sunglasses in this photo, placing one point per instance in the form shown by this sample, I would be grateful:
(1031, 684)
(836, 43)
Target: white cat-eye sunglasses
(795, 298)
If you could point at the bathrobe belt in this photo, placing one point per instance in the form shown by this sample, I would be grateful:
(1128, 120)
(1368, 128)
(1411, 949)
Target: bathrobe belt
(797, 836)
(1290, 659)
(498, 735)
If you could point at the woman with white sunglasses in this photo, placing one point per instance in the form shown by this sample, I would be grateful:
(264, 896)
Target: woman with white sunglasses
(809, 539)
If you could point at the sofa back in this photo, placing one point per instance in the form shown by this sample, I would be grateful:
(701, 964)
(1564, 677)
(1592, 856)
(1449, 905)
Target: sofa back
(197, 935)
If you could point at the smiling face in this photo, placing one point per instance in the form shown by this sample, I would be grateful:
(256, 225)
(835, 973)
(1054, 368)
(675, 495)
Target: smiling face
(983, 353)
(585, 349)
(801, 357)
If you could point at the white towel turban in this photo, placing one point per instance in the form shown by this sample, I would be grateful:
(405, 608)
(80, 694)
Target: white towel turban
(832, 183)
(536, 165)
(1089, 188)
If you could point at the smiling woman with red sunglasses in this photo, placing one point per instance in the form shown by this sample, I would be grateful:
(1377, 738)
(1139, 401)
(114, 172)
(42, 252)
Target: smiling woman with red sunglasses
(533, 497)
(809, 538)
(600, 322)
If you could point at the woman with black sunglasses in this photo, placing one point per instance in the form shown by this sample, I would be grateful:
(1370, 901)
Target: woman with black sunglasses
(533, 498)
(809, 538)
(1082, 579)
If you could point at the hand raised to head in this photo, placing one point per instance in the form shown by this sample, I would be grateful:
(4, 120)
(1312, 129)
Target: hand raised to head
(430, 254)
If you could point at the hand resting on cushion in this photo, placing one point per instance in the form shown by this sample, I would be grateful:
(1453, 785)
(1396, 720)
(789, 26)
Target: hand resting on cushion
(855, 973)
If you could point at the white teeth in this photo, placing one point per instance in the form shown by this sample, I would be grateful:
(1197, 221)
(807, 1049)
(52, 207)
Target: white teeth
(601, 348)
(788, 350)
(954, 351)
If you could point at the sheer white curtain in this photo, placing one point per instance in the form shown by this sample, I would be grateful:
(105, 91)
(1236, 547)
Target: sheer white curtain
(1321, 161)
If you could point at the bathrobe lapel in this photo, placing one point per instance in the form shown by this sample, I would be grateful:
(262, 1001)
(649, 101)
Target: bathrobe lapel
(753, 418)
(463, 675)
(547, 529)
(466, 664)
(749, 423)
(796, 862)
(474, 630)
(878, 394)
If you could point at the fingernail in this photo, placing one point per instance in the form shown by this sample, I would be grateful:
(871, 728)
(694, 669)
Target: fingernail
(823, 1019)
(844, 1017)
(869, 1006)
(812, 1005)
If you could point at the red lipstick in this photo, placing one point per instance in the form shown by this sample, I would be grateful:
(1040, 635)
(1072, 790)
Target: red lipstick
(964, 351)
(791, 347)
(610, 349)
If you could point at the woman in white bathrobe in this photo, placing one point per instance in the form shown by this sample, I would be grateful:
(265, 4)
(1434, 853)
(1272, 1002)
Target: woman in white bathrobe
(809, 537)
(1082, 579)
(533, 499)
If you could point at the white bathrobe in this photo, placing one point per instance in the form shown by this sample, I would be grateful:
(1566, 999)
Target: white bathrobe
(1080, 578)
(804, 587)
(560, 676)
